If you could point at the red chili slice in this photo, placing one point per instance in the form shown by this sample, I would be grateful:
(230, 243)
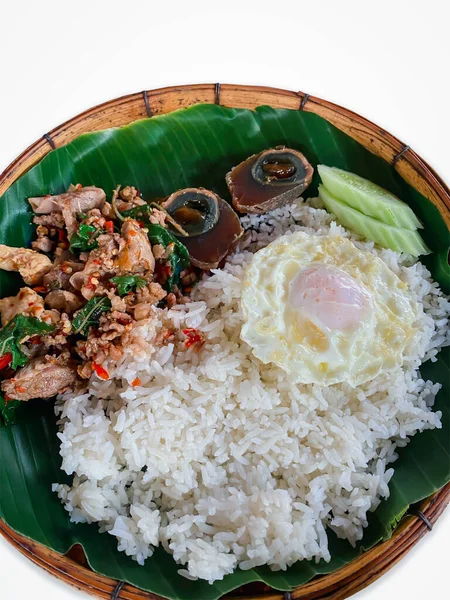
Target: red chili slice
(101, 372)
(109, 226)
(89, 285)
(194, 338)
(5, 360)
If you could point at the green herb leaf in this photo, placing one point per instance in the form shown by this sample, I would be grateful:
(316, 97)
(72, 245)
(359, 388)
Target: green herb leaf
(29, 326)
(89, 315)
(179, 259)
(140, 213)
(8, 411)
(85, 238)
(15, 332)
(126, 283)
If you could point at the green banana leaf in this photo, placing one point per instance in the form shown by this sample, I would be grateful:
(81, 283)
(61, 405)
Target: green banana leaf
(196, 147)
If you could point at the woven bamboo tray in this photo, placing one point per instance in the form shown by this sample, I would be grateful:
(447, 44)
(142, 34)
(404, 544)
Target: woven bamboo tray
(72, 567)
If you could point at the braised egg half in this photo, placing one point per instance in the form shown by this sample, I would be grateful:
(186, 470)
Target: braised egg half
(325, 311)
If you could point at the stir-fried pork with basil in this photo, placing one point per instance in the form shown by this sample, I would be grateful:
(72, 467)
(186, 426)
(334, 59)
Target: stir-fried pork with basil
(95, 271)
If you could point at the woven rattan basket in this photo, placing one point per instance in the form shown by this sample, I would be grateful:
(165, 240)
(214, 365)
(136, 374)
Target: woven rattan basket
(72, 568)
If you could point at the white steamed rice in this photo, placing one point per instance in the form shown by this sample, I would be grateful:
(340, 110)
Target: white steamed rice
(222, 459)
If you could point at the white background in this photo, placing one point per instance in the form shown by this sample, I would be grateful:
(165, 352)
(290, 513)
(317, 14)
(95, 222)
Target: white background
(387, 60)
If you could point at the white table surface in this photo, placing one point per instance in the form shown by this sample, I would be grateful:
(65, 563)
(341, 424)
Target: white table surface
(386, 60)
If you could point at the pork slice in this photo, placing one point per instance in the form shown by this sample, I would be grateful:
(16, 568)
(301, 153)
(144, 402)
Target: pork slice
(135, 252)
(100, 262)
(43, 244)
(31, 265)
(70, 204)
(63, 300)
(59, 276)
(41, 378)
(26, 302)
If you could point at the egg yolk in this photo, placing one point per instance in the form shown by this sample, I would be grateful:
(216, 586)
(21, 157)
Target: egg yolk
(329, 296)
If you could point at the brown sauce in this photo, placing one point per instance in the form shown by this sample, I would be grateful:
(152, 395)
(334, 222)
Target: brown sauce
(278, 170)
(186, 215)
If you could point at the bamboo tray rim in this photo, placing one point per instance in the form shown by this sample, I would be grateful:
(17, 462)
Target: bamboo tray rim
(49, 140)
(360, 572)
(410, 530)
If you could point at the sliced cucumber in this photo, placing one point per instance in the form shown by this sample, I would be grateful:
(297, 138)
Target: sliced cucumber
(395, 238)
(367, 197)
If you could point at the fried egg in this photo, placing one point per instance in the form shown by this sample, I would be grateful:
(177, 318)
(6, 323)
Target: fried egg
(325, 311)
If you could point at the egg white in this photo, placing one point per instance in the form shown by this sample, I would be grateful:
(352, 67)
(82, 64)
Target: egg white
(300, 340)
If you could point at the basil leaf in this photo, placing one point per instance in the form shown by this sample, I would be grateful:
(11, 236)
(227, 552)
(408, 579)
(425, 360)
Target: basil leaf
(13, 334)
(126, 283)
(85, 238)
(89, 315)
(28, 326)
(140, 213)
(179, 259)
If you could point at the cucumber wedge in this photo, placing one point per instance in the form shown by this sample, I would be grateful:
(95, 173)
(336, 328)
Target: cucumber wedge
(395, 238)
(367, 197)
